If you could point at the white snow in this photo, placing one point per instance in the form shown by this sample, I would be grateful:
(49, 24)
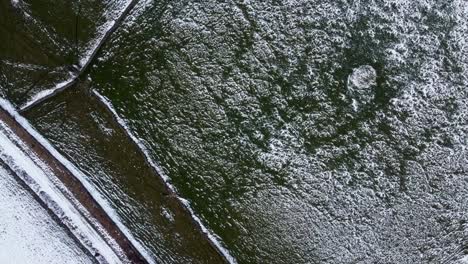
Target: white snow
(48, 92)
(28, 234)
(96, 44)
(15, 3)
(362, 77)
(26, 66)
(360, 85)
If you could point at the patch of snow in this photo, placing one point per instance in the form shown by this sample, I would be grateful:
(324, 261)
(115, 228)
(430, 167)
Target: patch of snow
(26, 66)
(42, 95)
(168, 214)
(360, 85)
(28, 234)
(363, 77)
(15, 3)
(91, 51)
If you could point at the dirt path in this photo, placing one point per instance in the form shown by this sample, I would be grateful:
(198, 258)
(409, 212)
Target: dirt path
(77, 189)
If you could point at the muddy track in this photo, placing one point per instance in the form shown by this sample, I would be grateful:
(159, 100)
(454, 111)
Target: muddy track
(75, 187)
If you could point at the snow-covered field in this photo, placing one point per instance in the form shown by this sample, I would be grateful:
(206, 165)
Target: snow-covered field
(28, 234)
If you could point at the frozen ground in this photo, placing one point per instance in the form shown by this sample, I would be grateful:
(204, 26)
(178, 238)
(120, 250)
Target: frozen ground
(301, 131)
(28, 234)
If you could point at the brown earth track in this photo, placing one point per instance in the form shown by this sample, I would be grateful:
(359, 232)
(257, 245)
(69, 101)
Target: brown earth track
(75, 187)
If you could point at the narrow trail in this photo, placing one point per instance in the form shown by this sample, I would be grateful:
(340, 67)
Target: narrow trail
(81, 68)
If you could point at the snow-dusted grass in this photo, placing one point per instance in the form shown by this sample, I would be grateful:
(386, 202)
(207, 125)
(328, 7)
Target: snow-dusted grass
(213, 238)
(85, 60)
